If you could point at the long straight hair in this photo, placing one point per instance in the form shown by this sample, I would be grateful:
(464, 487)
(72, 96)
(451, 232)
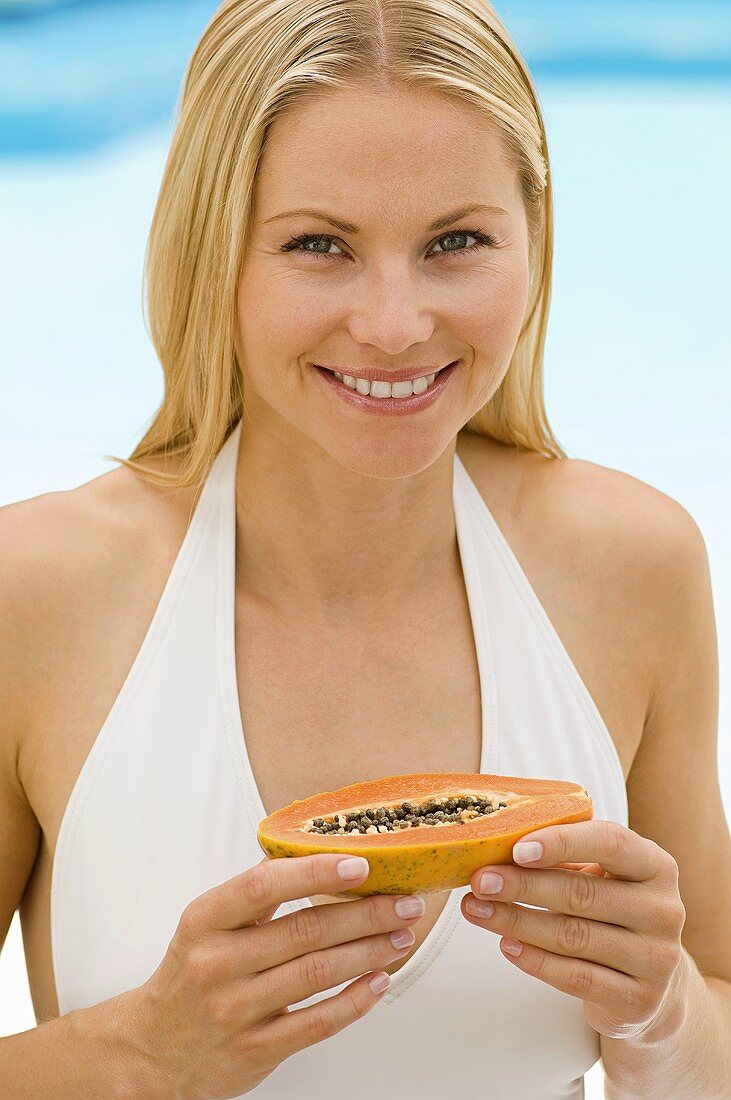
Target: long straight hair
(255, 60)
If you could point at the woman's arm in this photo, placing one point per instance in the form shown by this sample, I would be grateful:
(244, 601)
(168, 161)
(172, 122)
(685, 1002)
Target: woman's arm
(83, 1055)
(90, 1052)
(688, 1055)
(675, 800)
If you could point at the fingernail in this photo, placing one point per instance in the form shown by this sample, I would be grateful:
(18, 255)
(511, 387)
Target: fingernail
(479, 908)
(530, 852)
(490, 883)
(379, 983)
(410, 907)
(353, 868)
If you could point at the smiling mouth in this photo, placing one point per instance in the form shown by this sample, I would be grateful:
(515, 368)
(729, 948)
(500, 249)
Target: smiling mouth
(398, 389)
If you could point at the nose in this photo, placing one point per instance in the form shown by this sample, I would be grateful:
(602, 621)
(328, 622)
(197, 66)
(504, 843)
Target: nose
(391, 313)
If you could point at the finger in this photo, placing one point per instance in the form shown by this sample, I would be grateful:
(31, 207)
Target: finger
(287, 1033)
(588, 981)
(572, 937)
(316, 928)
(248, 897)
(266, 917)
(311, 970)
(621, 851)
(577, 893)
(590, 868)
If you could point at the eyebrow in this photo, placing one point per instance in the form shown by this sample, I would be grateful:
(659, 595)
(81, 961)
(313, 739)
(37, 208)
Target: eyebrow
(348, 227)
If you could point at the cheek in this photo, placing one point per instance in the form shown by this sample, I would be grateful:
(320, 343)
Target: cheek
(494, 317)
(278, 318)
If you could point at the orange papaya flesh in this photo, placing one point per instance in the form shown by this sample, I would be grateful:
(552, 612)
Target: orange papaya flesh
(427, 831)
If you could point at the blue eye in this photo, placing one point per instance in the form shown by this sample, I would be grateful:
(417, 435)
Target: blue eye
(484, 240)
(298, 244)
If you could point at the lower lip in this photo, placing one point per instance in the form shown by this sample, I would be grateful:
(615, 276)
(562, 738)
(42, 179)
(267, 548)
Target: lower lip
(390, 406)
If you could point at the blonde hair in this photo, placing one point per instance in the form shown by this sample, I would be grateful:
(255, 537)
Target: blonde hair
(256, 59)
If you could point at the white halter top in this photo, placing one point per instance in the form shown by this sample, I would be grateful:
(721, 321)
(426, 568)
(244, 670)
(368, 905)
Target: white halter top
(166, 806)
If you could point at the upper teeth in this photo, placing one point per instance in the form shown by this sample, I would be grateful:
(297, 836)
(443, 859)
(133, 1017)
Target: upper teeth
(379, 388)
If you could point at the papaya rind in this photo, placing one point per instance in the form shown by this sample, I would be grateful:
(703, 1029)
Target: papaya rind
(441, 858)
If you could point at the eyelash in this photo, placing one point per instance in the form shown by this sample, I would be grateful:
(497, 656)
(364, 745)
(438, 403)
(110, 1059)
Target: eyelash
(484, 240)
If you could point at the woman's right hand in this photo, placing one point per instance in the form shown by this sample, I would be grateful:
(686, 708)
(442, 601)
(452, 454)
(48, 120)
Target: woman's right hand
(213, 1021)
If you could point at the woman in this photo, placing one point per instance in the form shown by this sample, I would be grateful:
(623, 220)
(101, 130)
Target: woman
(367, 581)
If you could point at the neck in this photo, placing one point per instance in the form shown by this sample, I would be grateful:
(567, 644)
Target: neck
(331, 544)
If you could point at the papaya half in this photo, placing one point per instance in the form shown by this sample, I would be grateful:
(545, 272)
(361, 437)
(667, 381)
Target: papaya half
(422, 832)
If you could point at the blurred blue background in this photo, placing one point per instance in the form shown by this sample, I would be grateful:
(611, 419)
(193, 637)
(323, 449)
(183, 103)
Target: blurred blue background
(637, 103)
(77, 76)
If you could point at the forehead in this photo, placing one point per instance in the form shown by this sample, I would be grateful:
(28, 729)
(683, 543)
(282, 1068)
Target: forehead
(390, 153)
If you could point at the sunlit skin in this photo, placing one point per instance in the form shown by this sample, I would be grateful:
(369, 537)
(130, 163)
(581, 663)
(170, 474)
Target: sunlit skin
(377, 490)
(370, 498)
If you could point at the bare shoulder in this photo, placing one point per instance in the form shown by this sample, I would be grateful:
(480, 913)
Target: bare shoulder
(46, 538)
(603, 549)
(53, 549)
(614, 525)
(64, 557)
(589, 516)
(617, 505)
(54, 546)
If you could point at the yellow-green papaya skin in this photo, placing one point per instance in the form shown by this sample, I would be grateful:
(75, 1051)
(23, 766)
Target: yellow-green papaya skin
(426, 858)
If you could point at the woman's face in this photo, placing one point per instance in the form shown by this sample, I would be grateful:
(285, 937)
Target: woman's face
(388, 292)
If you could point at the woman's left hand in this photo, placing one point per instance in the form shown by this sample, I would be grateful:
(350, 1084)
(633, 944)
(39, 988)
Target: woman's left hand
(611, 936)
